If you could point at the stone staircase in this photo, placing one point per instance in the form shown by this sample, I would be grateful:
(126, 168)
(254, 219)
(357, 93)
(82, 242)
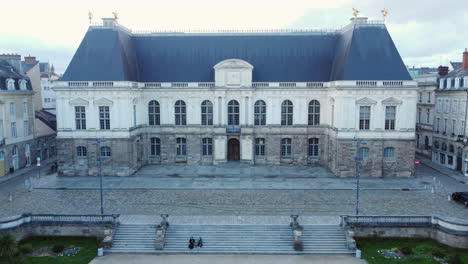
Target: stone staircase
(231, 239)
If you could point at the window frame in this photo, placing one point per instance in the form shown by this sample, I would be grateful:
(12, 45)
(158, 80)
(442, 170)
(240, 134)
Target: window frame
(207, 146)
(181, 147)
(80, 117)
(104, 117)
(259, 147)
(287, 113)
(390, 117)
(286, 148)
(154, 113)
(81, 151)
(180, 113)
(260, 113)
(314, 113)
(233, 113)
(155, 146)
(364, 117)
(313, 150)
(207, 113)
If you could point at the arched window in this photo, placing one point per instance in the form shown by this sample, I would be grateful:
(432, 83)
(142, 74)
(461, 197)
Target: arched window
(233, 113)
(181, 147)
(81, 151)
(287, 113)
(153, 113)
(363, 153)
(155, 146)
(286, 147)
(314, 113)
(22, 84)
(106, 151)
(10, 84)
(451, 148)
(260, 113)
(207, 113)
(389, 153)
(313, 147)
(444, 147)
(180, 113)
(14, 151)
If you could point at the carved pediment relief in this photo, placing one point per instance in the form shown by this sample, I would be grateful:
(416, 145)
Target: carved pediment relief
(391, 101)
(103, 101)
(366, 101)
(233, 64)
(78, 101)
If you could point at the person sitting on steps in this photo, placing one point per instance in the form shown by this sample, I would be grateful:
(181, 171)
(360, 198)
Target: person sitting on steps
(200, 242)
(191, 243)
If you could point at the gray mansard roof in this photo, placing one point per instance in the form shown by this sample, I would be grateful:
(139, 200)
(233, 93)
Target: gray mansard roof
(8, 72)
(360, 52)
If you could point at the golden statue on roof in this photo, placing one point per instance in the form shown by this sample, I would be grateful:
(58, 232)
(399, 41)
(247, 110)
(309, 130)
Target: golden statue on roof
(115, 15)
(384, 14)
(355, 12)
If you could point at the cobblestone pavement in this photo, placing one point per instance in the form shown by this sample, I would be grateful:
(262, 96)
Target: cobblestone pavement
(264, 202)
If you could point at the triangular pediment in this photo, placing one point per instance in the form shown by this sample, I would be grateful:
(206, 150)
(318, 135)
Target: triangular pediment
(391, 101)
(366, 101)
(78, 101)
(103, 101)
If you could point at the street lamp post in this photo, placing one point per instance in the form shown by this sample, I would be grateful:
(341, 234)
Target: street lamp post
(99, 159)
(358, 163)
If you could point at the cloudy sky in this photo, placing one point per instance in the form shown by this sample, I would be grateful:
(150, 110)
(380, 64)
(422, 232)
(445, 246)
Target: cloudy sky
(426, 32)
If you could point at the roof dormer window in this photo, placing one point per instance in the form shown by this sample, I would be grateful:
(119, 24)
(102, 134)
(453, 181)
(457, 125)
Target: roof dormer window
(10, 83)
(449, 83)
(457, 83)
(441, 84)
(22, 84)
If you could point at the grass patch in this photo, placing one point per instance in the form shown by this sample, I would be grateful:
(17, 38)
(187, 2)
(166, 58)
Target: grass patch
(422, 251)
(88, 249)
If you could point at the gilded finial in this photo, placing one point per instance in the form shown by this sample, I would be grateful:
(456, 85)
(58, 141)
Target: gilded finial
(384, 14)
(90, 17)
(355, 12)
(115, 15)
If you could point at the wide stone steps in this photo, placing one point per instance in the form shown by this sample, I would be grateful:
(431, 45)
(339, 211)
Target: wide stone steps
(230, 239)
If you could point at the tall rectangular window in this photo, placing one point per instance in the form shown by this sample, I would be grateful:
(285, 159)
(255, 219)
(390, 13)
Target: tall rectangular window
(455, 106)
(364, 117)
(420, 97)
(207, 146)
(390, 116)
(462, 128)
(454, 126)
(313, 147)
(155, 147)
(13, 129)
(439, 105)
(134, 116)
(428, 116)
(25, 108)
(286, 148)
(26, 128)
(445, 125)
(12, 108)
(104, 117)
(429, 97)
(447, 106)
(181, 147)
(80, 117)
(259, 147)
(438, 125)
(419, 115)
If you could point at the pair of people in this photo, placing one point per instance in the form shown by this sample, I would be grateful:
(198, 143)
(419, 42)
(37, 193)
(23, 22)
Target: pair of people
(193, 244)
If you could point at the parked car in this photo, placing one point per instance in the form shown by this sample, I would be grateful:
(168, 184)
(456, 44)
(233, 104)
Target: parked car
(461, 197)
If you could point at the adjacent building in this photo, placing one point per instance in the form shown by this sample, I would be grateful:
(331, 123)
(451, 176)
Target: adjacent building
(17, 142)
(449, 146)
(284, 97)
(48, 77)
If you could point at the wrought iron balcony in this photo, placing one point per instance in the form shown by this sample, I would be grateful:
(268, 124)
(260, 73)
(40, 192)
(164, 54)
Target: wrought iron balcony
(233, 130)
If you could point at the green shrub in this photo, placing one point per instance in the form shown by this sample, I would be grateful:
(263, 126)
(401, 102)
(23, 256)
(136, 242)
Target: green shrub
(58, 248)
(437, 252)
(454, 259)
(406, 251)
(26, 248)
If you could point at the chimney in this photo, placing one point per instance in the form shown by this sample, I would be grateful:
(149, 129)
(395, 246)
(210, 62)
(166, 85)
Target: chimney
(443, 70)
(14, 60)
(465, 60)
(30, 60)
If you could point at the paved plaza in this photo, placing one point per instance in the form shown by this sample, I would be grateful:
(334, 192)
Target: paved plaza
(225, 259)
(307, 191)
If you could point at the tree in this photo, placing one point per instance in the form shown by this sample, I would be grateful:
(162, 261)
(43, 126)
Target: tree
(10, 252)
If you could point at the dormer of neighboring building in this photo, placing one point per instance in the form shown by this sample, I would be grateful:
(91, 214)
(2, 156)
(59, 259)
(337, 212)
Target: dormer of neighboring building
(11, 79)
(456, 79)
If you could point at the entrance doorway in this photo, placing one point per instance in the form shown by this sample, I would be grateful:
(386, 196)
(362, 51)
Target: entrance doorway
(233, 149)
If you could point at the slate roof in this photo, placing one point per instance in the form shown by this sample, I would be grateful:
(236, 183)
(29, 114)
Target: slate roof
(7, 71)
(362, 52)
(27, 66)
(456, 65)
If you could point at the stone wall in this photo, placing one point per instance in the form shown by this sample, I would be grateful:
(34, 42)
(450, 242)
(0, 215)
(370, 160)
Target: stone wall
(344, 164)
(28, 230)
(457, 241)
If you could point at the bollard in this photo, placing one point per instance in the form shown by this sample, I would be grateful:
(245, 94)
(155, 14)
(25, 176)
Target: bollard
(100, 252)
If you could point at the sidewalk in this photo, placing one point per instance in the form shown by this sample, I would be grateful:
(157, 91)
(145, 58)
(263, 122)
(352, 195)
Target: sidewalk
(225, 259)
(444, 170)
(22, 171)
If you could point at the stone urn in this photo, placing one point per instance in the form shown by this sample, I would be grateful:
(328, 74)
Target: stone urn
(160, 237)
